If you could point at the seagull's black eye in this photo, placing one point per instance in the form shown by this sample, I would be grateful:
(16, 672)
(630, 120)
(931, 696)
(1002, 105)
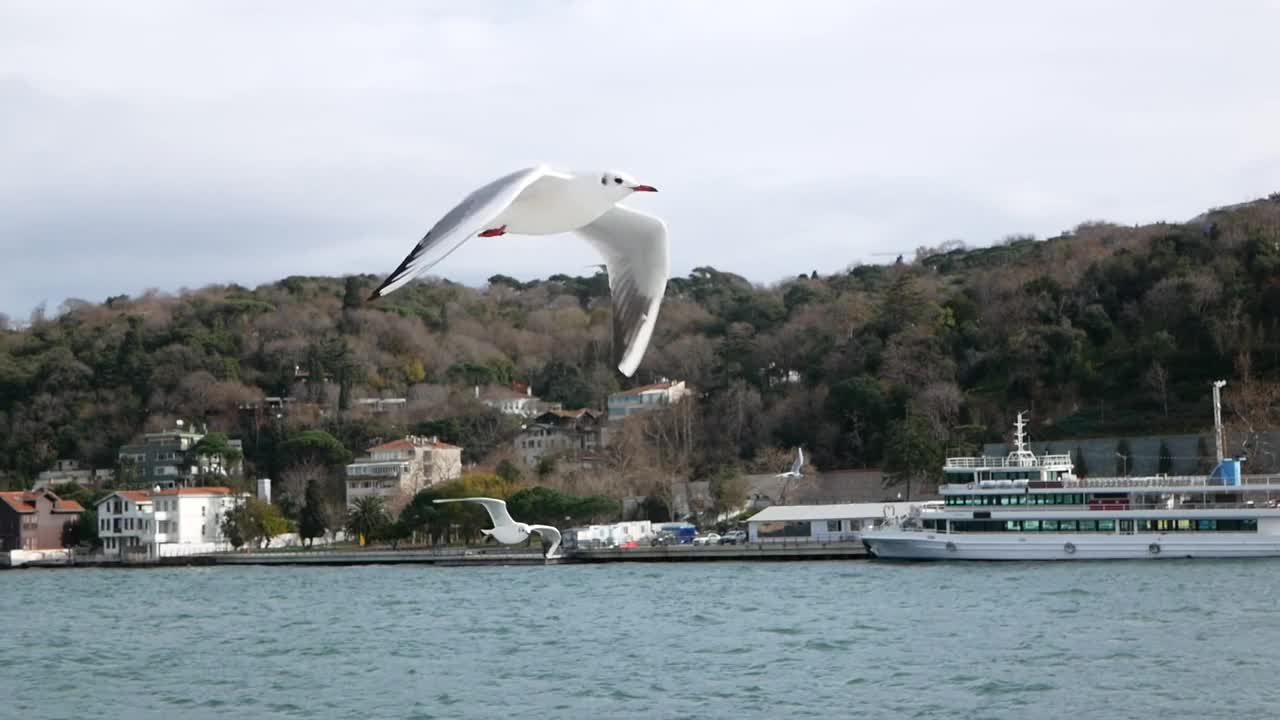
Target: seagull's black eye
(617, 181)
(604, 179)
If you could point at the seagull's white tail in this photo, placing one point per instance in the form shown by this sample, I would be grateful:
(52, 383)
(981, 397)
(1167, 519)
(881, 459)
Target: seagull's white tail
(487, 532)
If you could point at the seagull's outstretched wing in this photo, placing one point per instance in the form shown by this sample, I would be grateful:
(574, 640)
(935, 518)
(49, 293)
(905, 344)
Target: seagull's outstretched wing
(497, 509)
(634, 246)
(548, 533)
(799, 463)
(474, 214)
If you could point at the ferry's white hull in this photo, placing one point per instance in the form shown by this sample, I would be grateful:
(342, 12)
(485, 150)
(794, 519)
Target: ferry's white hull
(917, 545)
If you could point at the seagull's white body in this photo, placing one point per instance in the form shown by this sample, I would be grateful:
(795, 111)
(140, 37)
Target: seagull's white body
(508, 531)
(796, 466)
(542, 201)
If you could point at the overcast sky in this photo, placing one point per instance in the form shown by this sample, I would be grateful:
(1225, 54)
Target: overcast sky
(170, 145)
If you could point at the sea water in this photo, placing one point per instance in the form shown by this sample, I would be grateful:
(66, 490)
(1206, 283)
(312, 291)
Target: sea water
(1167, 639)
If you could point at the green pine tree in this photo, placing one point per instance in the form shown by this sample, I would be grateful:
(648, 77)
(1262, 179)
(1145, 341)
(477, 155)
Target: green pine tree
(313, 522)
(1166, 459)
(1081, 465)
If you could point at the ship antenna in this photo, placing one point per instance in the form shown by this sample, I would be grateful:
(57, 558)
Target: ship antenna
(1019, 433)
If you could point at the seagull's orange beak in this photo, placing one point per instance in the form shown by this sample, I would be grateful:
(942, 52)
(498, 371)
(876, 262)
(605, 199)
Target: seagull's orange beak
(644, 188)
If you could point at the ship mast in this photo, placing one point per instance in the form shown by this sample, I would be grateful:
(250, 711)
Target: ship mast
(1019, 433)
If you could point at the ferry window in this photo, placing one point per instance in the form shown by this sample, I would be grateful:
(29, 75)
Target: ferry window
(1049, 525)
(1106, 525)
(1206, 525)
(1184, 524)
(833, 526)
(1067, 525)
(1249, 525)
(1030, 525)
(1014, 525)
(1088, 525)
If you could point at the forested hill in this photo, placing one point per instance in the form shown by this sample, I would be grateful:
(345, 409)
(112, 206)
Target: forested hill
(1106, 329)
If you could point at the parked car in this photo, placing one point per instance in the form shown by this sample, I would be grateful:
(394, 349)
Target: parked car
(663, 539)
(733, 537)
(708, 539)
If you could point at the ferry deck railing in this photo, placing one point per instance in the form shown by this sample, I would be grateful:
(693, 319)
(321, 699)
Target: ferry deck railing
(1265, 505)
(1003, 462)
(1252, 483)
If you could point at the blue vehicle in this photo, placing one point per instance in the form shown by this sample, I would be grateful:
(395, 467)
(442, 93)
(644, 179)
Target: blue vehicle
(682, 533)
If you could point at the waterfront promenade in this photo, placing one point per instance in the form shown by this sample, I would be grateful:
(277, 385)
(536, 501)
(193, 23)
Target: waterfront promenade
(462, 557)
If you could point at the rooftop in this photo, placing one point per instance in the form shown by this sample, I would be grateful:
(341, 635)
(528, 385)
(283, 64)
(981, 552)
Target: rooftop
(800, 513)
(215, 490)
(24, 501)
(656, 387)
(410, 442)
(572, 414)
(498, 392)
(138, 496)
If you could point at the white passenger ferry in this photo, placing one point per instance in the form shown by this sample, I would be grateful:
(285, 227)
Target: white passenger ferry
(1029, 507)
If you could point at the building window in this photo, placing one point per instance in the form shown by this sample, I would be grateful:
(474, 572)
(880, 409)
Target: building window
(783, 529)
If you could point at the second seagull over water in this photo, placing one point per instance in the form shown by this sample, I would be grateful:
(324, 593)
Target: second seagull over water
(542, 201)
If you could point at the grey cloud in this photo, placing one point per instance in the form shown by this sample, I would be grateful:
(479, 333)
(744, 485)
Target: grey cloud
(168, 145)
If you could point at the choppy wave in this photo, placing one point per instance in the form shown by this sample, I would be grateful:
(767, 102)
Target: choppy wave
(654, 641)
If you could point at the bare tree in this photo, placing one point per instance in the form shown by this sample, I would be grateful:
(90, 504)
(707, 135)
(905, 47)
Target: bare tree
(672, 432)
(1157, 380)
(294, 479)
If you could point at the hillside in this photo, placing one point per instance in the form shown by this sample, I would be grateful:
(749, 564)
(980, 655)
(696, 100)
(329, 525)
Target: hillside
(1106, 329)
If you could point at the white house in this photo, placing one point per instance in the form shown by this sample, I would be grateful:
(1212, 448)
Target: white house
(824, 523)
(160, 523)
(403, 467)
(645, 398)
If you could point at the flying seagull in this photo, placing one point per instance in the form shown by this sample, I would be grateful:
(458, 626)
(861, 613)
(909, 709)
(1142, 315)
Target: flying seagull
(794, 472)
(508, 531)
(542, 201)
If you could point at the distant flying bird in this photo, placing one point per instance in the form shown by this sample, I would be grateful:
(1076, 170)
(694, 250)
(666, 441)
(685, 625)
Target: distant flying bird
(508, 531)
(794, 472)
(541, 201)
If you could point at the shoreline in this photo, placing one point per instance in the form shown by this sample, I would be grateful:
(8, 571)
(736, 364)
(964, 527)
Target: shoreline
(757, 552)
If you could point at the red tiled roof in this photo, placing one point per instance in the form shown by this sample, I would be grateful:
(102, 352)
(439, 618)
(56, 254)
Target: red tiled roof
(217, 490)
(138, 496)
(18, 501)
(502, 393)
(25, 501)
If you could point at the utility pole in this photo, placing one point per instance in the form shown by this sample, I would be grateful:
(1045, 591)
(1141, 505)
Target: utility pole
(1217, 415)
